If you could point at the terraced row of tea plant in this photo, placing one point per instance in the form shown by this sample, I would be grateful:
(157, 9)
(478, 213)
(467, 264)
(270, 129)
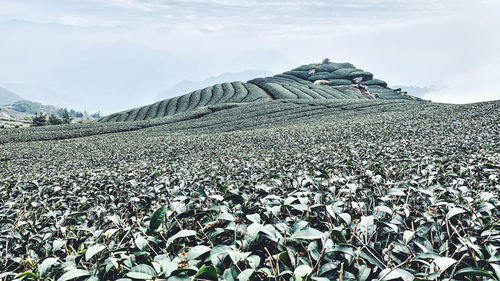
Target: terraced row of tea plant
(280, 190)
(225, 117)
(314, 81)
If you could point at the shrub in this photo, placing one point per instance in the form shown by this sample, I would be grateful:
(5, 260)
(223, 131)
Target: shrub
(240, 92)
(141, 115)
(330, 67)
(122, 116)
(153, 110)
(375, 82)
(307, 67)
(172, 106)
(194, 100)
(300, 74)
(183, 103)
(319, 76)
(278, 92)
(162, 108)
(254, 93)
(300, 94)
(339, 82)
(206, 96)
(217, 94)
(133, 114)
(228, 90)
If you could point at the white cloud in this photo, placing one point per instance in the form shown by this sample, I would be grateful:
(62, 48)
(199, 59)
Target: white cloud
(474, 85)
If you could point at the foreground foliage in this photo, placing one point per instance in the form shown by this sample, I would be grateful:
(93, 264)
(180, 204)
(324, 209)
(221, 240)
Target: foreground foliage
(289, 190)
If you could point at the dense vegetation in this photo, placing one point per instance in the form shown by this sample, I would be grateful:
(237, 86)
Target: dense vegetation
(280, 190)
(313, 81)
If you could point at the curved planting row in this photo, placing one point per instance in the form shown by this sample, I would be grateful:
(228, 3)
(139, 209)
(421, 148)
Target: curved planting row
(233, 92)
(313, 81)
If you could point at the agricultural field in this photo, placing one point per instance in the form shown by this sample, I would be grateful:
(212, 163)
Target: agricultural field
(274, 189)
(327, 80)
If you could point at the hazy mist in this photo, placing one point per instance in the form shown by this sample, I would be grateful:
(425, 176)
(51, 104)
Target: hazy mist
(111, 55)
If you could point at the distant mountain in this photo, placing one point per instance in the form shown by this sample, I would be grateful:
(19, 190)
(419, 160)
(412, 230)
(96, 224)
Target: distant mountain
(187, 86)
(416, 91)
(317, 81)
(8, 97)
(39, 94)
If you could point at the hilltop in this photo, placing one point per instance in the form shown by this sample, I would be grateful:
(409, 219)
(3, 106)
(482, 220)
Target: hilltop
(8, 97)
(318, 81)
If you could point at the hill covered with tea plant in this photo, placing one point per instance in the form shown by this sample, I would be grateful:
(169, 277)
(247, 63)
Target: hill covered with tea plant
(275, 188)
(327, 80)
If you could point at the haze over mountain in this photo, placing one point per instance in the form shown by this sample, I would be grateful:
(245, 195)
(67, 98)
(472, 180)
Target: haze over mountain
(38, 93)
(187, 86)
(113, 55)
(8, 97)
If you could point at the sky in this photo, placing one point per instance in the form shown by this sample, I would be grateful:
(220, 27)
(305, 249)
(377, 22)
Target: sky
(112, 55)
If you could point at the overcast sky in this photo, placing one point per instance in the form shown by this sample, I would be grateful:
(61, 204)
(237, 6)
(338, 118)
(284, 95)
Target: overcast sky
(115, 54)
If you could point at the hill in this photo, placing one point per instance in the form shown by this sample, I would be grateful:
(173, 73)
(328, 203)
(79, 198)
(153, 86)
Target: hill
(8, 97)
(331, 189)
(327, 80)
(188, 86)
(353, 187)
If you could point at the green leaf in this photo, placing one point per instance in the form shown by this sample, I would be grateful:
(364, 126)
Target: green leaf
(472, 271)
(346, 217)
(253, 261)
(307, 233)
(364, 272)
(245, 274)
(407, 236)
(391, 274)
(58, 244)
(454, 211)
(72, 274)
(141, 243)
(444, 263)
(156, 219)
(142, 271)
(46, 265)
(253, 231)
(180, 234)
(207, 272)
(197, 251)
(302, 270)
(396, 192)
(27, 274)
(383, 209)
(93, 250)
(255, 218)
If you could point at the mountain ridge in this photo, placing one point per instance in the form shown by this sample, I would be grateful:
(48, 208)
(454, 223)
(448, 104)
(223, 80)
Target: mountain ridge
(8, 97)
(186, 86)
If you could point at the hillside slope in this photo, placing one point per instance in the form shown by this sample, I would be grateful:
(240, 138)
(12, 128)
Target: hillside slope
(353, 179)
(8, 97)
(327, 80)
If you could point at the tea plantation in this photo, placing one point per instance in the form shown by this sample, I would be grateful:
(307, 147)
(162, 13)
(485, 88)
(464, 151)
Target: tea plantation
(270, 189)
(326, 80)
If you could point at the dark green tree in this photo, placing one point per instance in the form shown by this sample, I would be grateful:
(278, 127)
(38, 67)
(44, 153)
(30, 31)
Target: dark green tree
(54, 120)
(39, 120)
(66, 118)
